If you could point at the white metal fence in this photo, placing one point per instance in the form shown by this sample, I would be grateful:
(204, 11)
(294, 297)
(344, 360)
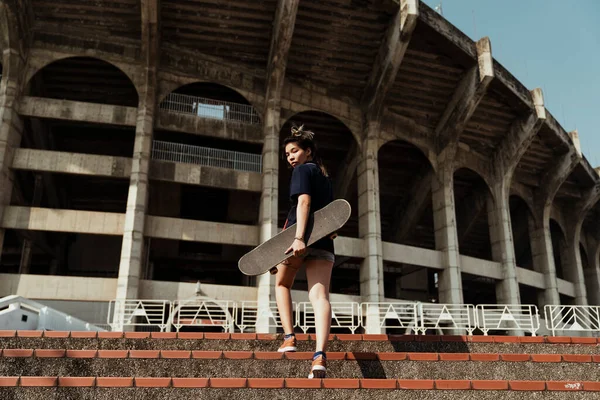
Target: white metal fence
(203, 313)
(138, 313)
(185, 153)
(343, 315)
(248, 316)
(210, 108)
(441, 317)
(400, 315)
(572, 318)
(508, 317)
(251, 314)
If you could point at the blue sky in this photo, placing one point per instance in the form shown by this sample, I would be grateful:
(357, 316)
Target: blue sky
(550, 44)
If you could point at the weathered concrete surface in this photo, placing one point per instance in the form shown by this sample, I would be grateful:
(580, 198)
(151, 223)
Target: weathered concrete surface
(369, 369)
(390, 55)
(201, 231)
(446, 236)
(172, 121)
(191, 174)
(276, 394)
(76, 111)
(50, 219)
(405, 343)
(132, 249)
(71, 163)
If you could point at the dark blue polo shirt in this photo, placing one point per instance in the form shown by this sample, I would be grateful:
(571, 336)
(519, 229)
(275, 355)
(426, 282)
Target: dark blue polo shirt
(308, 179)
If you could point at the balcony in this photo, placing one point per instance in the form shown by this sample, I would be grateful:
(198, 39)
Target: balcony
(184, 153)
(211, 109)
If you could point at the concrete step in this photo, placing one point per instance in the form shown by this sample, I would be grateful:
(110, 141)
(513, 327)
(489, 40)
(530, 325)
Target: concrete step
(268, 342)
(139, 365)
(125, 388)
(230, 364)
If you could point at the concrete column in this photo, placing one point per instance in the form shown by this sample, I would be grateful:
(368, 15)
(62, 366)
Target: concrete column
(446, 236)
(369, 225)
(268, 210)
(11, 125)
(503, 249)
(543, 259)
(573, 268)
(132, 249)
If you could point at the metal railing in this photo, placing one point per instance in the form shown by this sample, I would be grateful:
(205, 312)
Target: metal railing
(442, 317)
(343, 315)
(247, 316)
(203, 313)
(251, 315)
(138, 313)
(572, 318)
(185, 153)
(210, 108)
(399, 315)
(508, 317)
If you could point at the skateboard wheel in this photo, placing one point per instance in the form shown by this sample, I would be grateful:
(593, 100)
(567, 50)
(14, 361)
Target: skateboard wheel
(273, 271)
(333, 236)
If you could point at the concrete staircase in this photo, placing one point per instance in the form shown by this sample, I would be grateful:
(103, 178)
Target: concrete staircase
(140, 365)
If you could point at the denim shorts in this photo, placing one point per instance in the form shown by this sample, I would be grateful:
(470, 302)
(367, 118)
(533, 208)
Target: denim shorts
(318, 254)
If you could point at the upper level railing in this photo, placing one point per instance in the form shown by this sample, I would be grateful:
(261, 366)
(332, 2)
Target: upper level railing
(250, 316)
(209, 108)
(185, 153)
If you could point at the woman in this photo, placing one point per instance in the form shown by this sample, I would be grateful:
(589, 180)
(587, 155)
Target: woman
(310, 190)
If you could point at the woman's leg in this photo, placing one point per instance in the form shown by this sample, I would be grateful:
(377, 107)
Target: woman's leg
(284, 279)
(318, 273)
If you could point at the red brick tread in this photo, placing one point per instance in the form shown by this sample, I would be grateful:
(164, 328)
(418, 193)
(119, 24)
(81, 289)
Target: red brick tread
(296, 383)
(272, 355)
(261, 336)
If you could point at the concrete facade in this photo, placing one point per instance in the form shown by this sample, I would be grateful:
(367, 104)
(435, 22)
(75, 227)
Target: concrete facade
(477, 118)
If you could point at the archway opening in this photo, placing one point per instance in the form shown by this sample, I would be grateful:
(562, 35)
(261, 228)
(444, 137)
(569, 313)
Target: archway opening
(339, 152)
(84, 79)
(195, 139)
(470, 198)
(520, 216)
(585, 262)
(558, 247)
(406, 211)
(471, 195)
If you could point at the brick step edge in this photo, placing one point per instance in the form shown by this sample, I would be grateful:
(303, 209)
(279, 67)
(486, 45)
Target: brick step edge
(268, 336)
(297, 383)
(266, 355)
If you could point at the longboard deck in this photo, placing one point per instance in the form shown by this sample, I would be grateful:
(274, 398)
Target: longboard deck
(269, 254)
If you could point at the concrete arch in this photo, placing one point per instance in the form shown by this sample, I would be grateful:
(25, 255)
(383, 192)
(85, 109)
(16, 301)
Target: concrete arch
(425, 152)
(38, 65)
(301, 108)
(476, 172)
(422, 144)
(558, 217)
(520, 191)
(467, 160)
(168, 83)
(355, 136)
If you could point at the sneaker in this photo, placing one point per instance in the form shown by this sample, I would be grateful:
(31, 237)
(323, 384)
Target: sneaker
(318, 369)
(289, 344)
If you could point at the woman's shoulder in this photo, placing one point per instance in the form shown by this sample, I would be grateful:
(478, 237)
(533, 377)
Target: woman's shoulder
(307, 168)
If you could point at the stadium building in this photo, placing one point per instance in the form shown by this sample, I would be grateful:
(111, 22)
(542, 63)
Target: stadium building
(141, 153)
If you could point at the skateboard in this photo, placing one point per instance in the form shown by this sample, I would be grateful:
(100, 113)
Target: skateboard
(324, 222)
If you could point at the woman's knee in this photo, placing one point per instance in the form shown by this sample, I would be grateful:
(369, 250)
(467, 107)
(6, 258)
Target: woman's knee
(318, 294)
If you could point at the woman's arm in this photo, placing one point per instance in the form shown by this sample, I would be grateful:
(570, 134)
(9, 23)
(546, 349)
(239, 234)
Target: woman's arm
(302, 210)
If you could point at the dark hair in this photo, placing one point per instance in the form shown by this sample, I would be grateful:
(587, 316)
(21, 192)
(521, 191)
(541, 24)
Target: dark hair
(305, 140)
